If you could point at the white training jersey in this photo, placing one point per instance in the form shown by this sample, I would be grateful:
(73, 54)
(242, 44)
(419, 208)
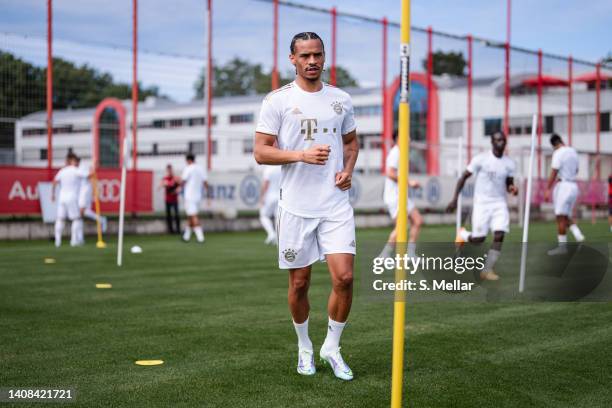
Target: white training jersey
(391, 192)
(194, 177)
(85, 186)
(491, 174)
(272, 174)
(565, 161)
(300, 120)
(69, 180)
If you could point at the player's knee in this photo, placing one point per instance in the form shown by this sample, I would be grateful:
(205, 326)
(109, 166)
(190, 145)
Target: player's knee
(344, 280)
(299, 286)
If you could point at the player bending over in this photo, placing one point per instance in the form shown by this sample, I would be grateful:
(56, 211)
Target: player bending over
(69, 179)
(391, 199)
(269, 201)
(193, 180)
(564, 168)
(494, 178)
(313, 124)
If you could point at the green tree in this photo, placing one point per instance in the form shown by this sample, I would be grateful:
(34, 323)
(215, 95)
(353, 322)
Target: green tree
(240, 77)
(23, 89)
(452, 63)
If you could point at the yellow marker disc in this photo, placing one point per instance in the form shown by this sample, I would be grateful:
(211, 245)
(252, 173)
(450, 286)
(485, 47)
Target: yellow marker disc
(49, 260)
(149, 362)
(103, 285)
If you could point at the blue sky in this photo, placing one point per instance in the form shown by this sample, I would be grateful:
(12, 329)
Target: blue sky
(172, 41)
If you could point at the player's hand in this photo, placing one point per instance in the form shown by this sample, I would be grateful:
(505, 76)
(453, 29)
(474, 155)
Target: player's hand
(53, 197)
(414, 184)
(512, 189)
(546, 195)
(343, 180)
(452, 206)
(317, 154)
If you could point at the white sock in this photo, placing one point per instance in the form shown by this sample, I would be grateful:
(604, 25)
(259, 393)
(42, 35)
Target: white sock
(301, 329)
(76, 231)
(577, 233)
(199, 233)
(388, 250)
(90, 214)
(334, 331)
(492, 257)
(562, 240)
(268, 225)
(59, 227)
(465, 234)
(187, 233)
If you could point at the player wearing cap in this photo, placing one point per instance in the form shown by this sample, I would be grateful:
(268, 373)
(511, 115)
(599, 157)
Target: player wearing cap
(314, 128)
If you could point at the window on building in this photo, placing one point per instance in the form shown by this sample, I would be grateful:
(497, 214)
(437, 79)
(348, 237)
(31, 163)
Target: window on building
(43, 154)
(155, 149)
(159, 123)
(492, 125)
(200, 147)
(604, 121)
(367, 110)
(549, 126)
(241, 118)
(174, 123)
(199, 121)
(453, 129)
(247, 146)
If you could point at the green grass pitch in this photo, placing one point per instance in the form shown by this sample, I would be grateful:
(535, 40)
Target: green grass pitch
(217, 315)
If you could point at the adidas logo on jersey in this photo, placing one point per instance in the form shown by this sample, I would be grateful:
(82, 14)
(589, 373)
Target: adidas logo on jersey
(296, 111)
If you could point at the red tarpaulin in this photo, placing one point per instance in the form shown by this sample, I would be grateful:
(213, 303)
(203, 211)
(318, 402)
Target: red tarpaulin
(547, 80)
(592, 77)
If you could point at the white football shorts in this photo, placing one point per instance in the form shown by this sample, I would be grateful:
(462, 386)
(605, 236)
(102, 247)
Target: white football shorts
(565, 195)
(304, 241)
(393, 206)
(192, 207)
(68, 209)
(490, 217)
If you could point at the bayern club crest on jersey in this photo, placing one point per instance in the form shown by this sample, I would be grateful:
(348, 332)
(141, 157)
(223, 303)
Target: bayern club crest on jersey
(290, 254)
(337, 106)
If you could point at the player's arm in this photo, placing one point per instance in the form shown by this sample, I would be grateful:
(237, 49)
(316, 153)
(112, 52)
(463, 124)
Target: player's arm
(551, 181)
(460, 183)
(510, 186)
(350, 151)
(265, 152)
(394, 175)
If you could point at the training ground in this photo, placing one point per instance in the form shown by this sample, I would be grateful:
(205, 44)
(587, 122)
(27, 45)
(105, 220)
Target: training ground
(217, 315)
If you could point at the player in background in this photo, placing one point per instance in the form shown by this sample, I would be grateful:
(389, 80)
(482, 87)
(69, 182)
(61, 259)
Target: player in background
(313, 124)
(391, 199)
(564, 168)
(170, 183)
(69, 180)
(85, 199)
(268, 204)
(494, 178)
(193, 181)
(610, 201)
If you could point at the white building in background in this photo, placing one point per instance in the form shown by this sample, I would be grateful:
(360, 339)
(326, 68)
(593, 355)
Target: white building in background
(168, 130)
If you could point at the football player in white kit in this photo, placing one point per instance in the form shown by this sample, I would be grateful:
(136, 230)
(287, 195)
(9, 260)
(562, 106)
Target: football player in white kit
(85, 199)
(564, 168)
(494, 178)
(193, 180)
(269, 201)
(313, 124)
(69, 180)
(391, 197)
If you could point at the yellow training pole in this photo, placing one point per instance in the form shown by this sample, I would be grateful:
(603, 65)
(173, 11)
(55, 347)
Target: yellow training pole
(399, 307)
(94, 182)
